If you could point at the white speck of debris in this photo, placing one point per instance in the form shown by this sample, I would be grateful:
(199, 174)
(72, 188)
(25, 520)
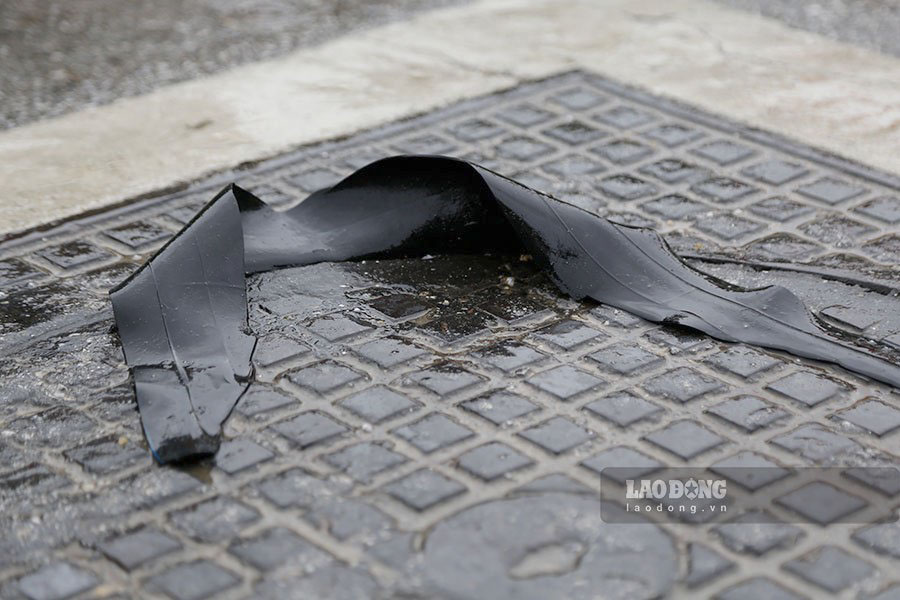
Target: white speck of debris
(510, 281)
(367, 427)
(427, 257)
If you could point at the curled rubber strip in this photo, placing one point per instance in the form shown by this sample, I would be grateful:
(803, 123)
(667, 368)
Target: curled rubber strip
(182, 317)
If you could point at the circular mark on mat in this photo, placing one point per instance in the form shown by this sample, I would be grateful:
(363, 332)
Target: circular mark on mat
(546, 546)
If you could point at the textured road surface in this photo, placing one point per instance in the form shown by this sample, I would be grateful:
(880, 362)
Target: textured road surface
(60, 56)
(437, 427)
(869, 23)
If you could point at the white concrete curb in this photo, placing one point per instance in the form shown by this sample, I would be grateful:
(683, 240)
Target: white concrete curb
(838, 97)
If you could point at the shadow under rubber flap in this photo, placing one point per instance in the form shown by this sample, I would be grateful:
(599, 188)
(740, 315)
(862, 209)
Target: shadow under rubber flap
(182, 317)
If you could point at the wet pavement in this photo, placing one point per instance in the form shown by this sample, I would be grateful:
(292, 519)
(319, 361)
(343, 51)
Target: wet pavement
(437, 427)
(869, 23)
(61, 56)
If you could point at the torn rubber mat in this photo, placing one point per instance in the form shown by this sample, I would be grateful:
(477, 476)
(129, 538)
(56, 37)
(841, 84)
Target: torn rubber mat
(182, 317)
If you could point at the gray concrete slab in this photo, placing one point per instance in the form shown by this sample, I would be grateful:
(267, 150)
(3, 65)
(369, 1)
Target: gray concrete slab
(437, 427)
(868, 23)
(62, 56)
(756, 70)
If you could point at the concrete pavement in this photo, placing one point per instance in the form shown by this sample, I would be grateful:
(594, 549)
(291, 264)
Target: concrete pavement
(837, 97)
(61, 57)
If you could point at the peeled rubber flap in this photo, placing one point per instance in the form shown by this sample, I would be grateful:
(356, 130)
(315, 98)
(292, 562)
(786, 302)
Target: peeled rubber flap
(182, 317)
